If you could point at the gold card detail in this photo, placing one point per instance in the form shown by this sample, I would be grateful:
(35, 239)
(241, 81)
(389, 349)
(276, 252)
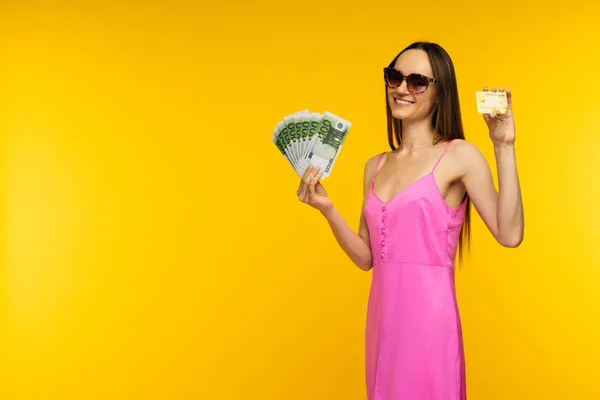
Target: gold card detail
(491, 102)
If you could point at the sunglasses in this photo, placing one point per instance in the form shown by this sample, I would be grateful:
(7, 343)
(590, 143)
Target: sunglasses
(415, 83)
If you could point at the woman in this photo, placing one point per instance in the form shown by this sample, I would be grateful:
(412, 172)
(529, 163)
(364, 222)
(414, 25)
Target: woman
(415, 216)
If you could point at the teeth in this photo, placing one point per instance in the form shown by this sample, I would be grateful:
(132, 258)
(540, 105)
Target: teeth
(403, 102)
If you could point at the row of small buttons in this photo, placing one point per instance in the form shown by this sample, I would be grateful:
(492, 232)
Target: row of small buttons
(383, 232)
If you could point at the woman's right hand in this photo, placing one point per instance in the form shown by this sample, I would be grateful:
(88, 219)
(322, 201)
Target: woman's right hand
(312, 192)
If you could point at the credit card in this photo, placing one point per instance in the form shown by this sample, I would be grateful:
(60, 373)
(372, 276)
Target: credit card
(491, 102)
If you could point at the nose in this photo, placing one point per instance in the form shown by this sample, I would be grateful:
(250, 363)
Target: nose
(402, 88)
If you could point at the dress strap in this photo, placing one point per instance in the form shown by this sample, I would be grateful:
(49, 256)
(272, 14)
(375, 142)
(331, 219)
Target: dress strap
(443, 152)
(376, 168)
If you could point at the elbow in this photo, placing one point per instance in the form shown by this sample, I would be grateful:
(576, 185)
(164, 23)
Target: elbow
(511, 242)
(365, 264)
(366, 267)
(363, 259)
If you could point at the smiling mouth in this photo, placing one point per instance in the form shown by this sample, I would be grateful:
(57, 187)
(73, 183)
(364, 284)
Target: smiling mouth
(403, 102)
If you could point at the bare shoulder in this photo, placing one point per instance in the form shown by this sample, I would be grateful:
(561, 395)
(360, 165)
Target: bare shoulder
(461, 147)
(370, 166)
(466, 155)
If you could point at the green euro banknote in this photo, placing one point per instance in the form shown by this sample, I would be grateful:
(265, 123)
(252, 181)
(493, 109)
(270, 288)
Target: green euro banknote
(308, 139)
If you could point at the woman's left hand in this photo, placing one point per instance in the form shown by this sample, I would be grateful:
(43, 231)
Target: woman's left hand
(501, 126)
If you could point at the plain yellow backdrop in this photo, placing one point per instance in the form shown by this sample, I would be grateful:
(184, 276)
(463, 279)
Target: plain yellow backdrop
(153, 246)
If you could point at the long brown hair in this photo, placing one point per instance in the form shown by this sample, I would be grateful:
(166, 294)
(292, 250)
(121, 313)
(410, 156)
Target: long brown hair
(446, 119)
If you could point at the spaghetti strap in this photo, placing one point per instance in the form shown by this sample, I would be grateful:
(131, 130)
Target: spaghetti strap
(443, 152)
(376, 168)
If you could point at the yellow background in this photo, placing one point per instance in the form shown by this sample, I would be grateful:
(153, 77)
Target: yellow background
(153, 246)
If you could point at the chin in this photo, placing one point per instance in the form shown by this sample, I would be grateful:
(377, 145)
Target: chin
(402, 113)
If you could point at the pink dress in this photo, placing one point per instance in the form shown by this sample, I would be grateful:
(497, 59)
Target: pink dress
(414, 348)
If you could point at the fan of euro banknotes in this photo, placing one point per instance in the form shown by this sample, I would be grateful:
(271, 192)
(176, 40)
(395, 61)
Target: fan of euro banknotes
(308, 139)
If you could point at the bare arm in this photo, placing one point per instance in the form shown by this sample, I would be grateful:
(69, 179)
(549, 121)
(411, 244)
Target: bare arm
(356, 246)
(501, 211)
(511, 219)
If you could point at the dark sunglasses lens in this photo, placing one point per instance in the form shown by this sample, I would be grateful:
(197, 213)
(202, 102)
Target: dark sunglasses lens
(393, 78)
(417, 83)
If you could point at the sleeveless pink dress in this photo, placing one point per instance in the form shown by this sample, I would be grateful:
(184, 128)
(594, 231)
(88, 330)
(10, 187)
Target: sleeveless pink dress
(413, 336)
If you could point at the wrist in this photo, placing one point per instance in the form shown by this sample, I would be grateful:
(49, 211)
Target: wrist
(504, 152)
(504, 147)
(328, 211)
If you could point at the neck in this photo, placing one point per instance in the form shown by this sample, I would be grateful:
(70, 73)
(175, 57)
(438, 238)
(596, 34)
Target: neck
(417, 134)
